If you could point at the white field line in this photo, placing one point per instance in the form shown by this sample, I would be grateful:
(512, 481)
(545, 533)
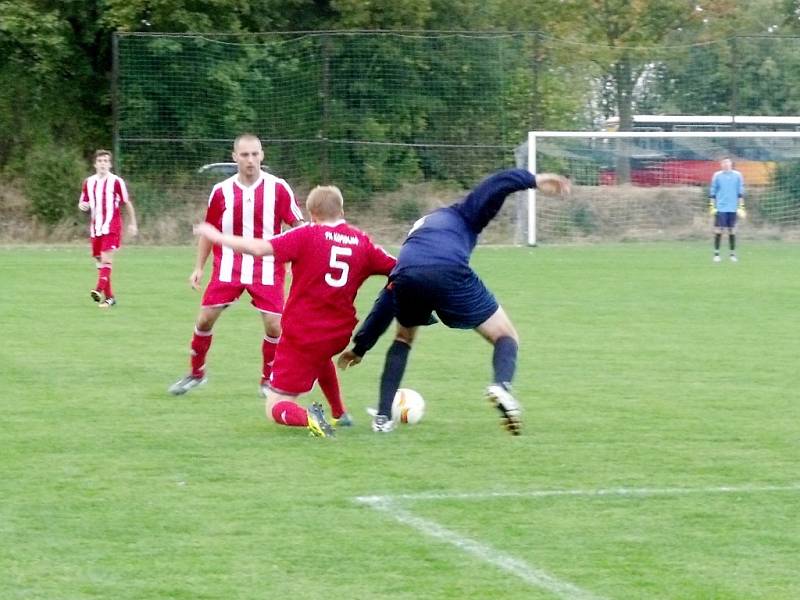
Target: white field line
(622, 492)
(505, 562)
(390, 504)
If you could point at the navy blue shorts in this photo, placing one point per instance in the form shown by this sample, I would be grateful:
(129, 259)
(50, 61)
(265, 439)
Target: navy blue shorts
(457, 294)
(725, 220)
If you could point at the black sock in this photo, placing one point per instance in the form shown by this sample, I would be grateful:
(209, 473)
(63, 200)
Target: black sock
(504, 360)
(393, 370)
(717, 237)
(732, 240)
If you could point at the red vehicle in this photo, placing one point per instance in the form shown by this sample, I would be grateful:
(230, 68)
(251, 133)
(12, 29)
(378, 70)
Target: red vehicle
(665, 172)
(668, 163)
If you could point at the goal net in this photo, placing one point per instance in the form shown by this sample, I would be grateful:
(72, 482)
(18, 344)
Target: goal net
(654, 185)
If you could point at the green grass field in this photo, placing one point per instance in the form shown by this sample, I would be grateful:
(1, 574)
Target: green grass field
(660, 457)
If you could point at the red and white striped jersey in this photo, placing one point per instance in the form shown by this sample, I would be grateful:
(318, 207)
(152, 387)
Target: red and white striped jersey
(104, 196)
(257, 211)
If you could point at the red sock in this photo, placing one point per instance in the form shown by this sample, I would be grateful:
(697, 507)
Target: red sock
(201, 342)
(103, 278)
(288, 413)
(268, 346)
(107, 289)
(329, 384)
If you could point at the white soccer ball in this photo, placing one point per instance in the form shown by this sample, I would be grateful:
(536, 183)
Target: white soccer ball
(408, 407)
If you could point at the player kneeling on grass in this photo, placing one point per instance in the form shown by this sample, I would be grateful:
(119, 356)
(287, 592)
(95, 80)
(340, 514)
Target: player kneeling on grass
(433, 274)
(330, 260)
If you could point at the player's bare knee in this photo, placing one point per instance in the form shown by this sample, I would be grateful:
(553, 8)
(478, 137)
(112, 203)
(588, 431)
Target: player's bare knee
(204, 323)
(205, 320)
(207, 316)
(512, 333)
(500, 333)
(272, 325)
(497, 326)
(405, 334)
(269, 404)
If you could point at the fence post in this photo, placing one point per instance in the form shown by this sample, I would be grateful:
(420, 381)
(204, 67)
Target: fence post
(115, 101)
(536, 110)
(734, 66)
(325, 93)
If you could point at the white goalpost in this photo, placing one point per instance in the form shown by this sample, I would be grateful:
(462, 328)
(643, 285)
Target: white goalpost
(642, 185)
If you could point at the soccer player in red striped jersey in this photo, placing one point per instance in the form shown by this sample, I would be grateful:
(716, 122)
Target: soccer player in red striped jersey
(256, 205)
(330, 260)
(101, 196)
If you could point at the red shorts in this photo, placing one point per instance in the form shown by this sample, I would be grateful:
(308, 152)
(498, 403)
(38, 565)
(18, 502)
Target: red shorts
(266, 298)
(105, 243)
(297, 366)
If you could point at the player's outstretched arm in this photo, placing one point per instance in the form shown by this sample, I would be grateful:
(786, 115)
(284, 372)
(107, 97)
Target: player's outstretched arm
(484, 202)
(377, 322)
(481, 205)
(348, 358)
(254, 246)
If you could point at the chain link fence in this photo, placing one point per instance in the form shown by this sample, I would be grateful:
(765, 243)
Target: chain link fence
(412, 119)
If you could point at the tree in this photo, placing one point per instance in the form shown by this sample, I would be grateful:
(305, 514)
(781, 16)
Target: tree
(34, 46)
(628, 29)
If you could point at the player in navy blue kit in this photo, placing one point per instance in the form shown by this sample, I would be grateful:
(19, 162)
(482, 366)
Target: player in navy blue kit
(433, 274)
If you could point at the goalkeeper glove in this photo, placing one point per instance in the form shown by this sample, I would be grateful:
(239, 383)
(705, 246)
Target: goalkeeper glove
(741, 211)
(711, 208)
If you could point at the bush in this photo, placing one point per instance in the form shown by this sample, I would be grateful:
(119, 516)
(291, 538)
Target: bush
(584, 220)
(783, 206)
(52, 182)
(406, 211)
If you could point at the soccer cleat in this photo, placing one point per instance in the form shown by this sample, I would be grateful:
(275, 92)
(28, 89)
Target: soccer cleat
(717, 258)
(180, 387)
(733, 258)
(510, 410)
(344, 421)
(317, 424)
(382, 424)
(107, 303)
(96, 295)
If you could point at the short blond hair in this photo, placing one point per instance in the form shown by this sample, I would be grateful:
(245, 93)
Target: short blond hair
(250, 137)
(101, 152)
(325, 202)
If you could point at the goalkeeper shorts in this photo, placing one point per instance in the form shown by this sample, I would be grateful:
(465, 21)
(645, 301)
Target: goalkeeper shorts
(726, 220)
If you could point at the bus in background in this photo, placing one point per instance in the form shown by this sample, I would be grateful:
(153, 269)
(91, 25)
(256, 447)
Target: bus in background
(687, 161)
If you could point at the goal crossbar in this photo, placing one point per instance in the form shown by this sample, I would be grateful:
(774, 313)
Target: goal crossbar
(663, 134)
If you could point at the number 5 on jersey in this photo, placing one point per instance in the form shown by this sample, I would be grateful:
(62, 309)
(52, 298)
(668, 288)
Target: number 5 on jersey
(339, 279)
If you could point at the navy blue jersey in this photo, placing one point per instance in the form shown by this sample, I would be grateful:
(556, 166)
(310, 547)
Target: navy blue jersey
(432, 271)
(448, 235)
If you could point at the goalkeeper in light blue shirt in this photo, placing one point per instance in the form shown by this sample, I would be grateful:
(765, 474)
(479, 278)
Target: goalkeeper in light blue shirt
(725, 203)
